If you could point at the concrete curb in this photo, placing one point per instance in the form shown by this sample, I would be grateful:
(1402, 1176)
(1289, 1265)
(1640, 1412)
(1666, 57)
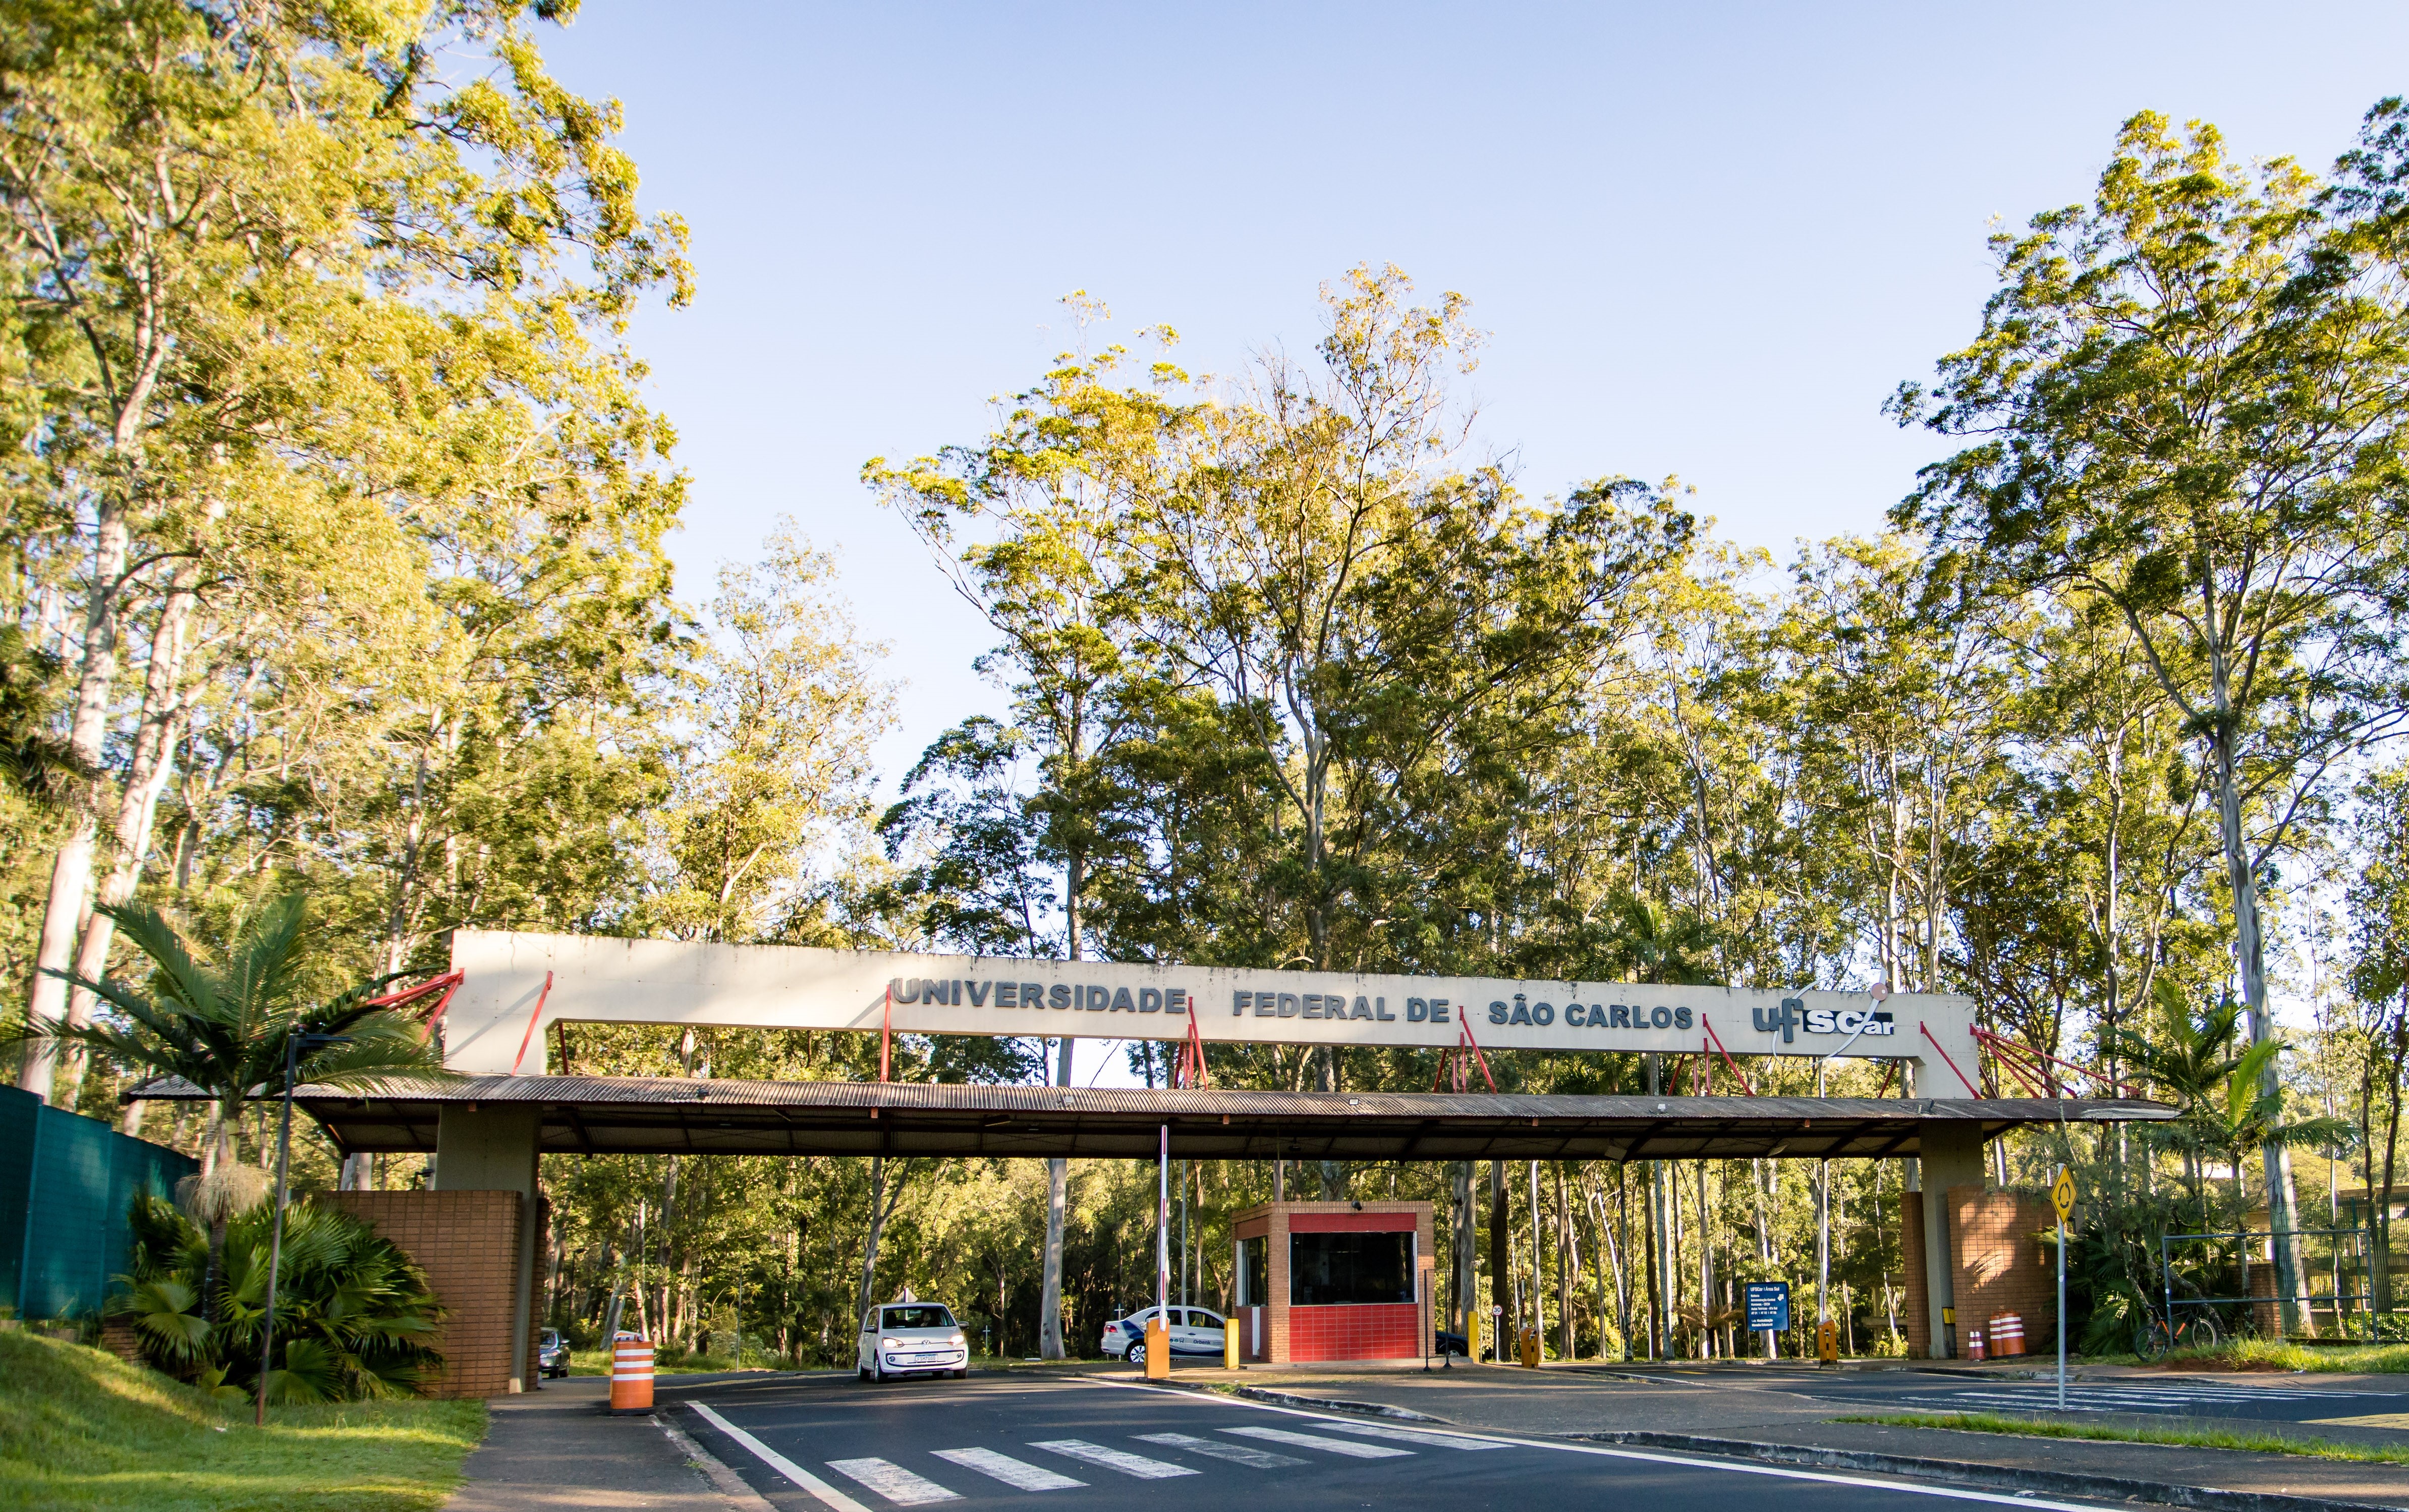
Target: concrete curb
(1990, 1477)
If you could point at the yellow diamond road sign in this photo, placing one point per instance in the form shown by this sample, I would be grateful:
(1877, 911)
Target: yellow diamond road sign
(2063, 1195)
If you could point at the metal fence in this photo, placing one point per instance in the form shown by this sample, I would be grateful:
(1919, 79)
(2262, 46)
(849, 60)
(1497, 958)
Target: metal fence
(2346, 1260)
(66, 1184)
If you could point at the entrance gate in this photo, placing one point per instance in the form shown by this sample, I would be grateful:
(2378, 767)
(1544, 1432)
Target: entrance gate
(507, 990)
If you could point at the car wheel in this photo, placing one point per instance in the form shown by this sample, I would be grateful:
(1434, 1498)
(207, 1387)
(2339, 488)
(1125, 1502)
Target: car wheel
(1137, 1355)
(962, 1374)
(862, 1371)
(877, 1372)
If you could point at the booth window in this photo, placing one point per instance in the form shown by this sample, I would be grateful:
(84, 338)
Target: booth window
(1254, 1271)
(1327, 1270)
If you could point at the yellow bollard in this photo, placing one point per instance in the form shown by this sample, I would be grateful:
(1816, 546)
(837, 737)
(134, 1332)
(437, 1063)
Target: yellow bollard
(1827, 1342)
(1471, 1337)
(1157, 1348)
(1229, 1344)
(1531, 1347)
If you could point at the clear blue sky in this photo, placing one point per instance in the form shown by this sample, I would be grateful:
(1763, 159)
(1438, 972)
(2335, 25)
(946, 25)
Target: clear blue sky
(1708, 239)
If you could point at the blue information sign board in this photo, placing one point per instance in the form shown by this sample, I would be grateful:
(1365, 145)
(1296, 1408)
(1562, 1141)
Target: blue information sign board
(1769, 1305)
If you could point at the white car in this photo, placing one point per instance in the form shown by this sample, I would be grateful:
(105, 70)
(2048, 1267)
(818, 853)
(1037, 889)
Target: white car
(911, 1338)
(1194, 1330)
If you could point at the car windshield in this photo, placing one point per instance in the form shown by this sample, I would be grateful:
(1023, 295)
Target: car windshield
(920, 1316)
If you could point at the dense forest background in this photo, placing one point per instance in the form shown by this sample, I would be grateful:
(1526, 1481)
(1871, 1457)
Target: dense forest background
(332, 562)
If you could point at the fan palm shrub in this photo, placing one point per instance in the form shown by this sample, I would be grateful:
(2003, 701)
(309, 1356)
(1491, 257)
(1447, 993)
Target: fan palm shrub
(353, 1317)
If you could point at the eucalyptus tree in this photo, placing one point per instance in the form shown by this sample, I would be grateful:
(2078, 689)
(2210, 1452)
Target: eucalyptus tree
(783, 709)
(1376, 611)
(2188, 400)
(285, 238)
(1030, 525)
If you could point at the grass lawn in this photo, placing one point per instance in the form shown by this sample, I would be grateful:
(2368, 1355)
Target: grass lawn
(1985, 1423)
(80, 1429)
(2263, 1354)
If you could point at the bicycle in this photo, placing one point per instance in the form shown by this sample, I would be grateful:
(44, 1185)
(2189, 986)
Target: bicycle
(2199, 1329)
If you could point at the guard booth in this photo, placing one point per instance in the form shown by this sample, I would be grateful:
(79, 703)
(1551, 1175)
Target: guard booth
(1333, 1281)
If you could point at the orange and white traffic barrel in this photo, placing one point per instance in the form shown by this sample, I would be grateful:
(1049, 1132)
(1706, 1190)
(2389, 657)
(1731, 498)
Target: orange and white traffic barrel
(2007, 1333)
(631, 1375)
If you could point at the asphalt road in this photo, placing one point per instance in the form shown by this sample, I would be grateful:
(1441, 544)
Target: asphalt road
(831, 1444)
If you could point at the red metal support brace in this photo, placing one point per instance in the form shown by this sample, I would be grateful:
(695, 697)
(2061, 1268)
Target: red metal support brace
(533, 1019)
(1726, 1055)
(1998, 1043)
(449, 983)
(1890, 1069)
(1944, 1057)
(2013, 1058)
(1190, 1066)
(1464, 1039)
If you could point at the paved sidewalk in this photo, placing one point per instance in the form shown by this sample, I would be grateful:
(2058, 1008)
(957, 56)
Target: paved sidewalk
(552, 1450)
(1773, 1405)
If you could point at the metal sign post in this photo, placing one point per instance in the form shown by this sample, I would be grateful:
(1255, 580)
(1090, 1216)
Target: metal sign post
(2061, 1197)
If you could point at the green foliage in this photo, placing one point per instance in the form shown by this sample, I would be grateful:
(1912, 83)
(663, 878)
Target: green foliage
(354, 1319)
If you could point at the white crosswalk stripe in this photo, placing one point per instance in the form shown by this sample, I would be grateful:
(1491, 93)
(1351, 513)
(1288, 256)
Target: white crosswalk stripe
(892, 1481)
(1235, 1453)
(1019, 1474)
(1312, 1441)
(1419, 1435)
(1120, 1460)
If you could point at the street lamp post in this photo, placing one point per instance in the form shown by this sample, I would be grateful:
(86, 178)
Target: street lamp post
(294, 1045)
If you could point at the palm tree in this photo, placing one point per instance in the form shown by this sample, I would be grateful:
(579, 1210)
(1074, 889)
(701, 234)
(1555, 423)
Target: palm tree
(2190, 1061)
(223, 1025)
(2225, 1109)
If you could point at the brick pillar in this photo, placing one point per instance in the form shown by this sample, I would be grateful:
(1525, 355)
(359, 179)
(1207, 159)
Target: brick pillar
(495, 1148)
(467, 1243)
(2000, 1264)
(1951, 1155)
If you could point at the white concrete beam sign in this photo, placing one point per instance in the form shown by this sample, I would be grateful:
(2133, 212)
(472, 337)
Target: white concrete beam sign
(499, 1019)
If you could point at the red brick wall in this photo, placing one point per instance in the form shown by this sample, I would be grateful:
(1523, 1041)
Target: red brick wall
(468, 1244)
(1364, 1330)
(2000, 1265)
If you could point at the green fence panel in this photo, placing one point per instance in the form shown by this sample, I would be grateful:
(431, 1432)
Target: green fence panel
(19, 1129)
(67, 1182)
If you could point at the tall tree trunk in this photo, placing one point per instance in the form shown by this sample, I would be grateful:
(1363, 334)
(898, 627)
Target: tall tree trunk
(1057, 1196)
(1501, 1276)
(879, 1208)
(151, 764)
(63, 910)
(1465, 1267)
(2250, 953)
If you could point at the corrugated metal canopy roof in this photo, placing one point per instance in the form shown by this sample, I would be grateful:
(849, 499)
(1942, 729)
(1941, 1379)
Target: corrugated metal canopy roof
(659, 1115)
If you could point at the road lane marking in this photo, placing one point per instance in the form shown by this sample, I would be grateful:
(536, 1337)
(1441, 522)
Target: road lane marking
(835, 1500)
(1417, 1435)
(2396, 1420)
(1017, 1474)
(1245, 1454)
(892, 1481)
(1120, 1460)
(1315, 1441)
(1826, 1477)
